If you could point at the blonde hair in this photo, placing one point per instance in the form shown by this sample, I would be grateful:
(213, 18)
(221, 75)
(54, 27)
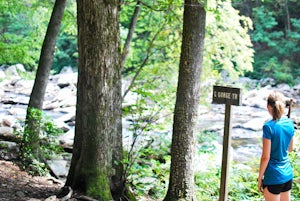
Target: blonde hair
(277, 101)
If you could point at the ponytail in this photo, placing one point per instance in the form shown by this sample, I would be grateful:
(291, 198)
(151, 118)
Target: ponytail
(277, 101)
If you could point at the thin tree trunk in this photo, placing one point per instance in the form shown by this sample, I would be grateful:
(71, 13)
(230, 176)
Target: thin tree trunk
(32, 127)
(288, 21)
(130, 33)
(181, 185)
(46, 57)
(148, 54)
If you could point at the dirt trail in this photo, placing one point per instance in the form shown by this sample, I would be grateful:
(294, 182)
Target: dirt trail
(17, 185)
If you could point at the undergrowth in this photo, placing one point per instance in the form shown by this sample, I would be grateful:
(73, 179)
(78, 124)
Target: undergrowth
(150, 171)
(36, 149)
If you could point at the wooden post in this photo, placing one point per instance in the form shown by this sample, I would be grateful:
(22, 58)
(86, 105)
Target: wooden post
(226, 154)
(227, 96)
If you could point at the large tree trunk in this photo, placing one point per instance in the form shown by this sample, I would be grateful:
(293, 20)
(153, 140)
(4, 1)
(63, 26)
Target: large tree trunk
(181, 185)
(96, 163)
(31, 132)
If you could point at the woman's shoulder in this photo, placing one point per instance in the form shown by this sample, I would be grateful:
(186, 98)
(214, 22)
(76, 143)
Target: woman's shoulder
(269, 122)
(286, 120)
(283, 120)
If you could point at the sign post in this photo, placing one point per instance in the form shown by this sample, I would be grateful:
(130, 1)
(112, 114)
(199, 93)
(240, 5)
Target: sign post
(228, 96)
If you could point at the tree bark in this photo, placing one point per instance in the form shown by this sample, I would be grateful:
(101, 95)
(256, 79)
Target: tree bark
(32, 127)
(46, 57)
(130, 32)
(288, 20)
(181, 185)
(96, 167)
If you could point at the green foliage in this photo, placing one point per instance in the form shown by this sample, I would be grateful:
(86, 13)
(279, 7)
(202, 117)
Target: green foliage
(295, 160)
(227, 44)
(263, 29)
(149, 170)
(243, 184)
(23, 27)
(149, 174)
(154, 55)
(155, 51)
(66, 53)
(27, 75)
(18, 50)
(207, 184)
(205, 139)
(35, 149)
(277, 49)
(69, 22)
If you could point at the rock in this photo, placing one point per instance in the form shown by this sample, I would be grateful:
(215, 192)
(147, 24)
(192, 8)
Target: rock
(51, 91)
(2, 75)
(67, 138)
(284, 88)
(6, 131)
(67, 79)
(68, 111)
(255, 124)
(62, 125)
(257, 98)
(68, 117)
(16, 100)
(49, 105)
(20, 194)
(11, 146)
(244, 133)
(4, 185)
(19, 67)
(59, 167)
(12, 71)
(55, 181)
(8, 121)
(66, 70)
(23, 87)
(65, 193)
(52, 198)
(9, 150)
(249, 83)
(267, 81)
(16, 111)
(296, 88)
(68, 102)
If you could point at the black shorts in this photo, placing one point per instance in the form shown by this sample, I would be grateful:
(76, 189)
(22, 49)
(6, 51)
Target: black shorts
(278, 188)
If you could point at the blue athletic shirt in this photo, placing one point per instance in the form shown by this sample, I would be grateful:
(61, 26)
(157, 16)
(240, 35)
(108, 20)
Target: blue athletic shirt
(280, 132)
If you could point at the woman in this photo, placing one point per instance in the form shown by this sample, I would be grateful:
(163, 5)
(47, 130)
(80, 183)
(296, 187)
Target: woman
(275, 173)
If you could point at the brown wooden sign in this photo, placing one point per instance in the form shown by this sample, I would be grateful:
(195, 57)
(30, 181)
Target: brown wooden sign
(226, 95)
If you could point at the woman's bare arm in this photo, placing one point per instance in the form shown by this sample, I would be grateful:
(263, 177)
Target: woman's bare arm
(291, 146)
(264, 160)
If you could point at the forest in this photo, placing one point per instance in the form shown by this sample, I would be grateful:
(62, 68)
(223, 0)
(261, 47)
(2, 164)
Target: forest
(130, 55)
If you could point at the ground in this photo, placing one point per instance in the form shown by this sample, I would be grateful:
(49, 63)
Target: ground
(17, 185)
